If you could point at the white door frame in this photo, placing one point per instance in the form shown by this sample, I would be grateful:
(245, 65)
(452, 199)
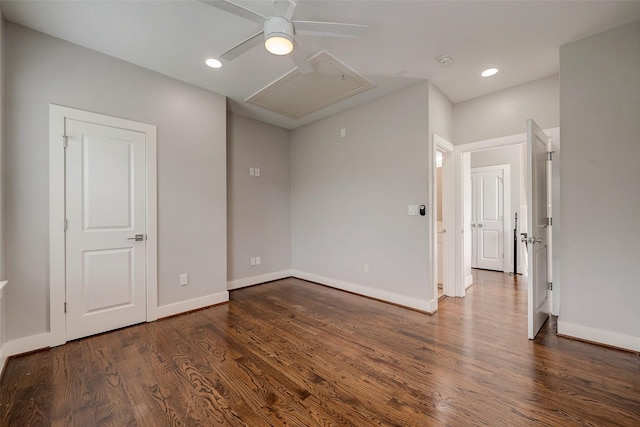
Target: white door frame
(506, 204)
(57, 252)
(448, 289)
(461, 229)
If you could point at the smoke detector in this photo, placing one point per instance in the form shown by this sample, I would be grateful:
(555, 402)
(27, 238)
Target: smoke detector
(445, 59)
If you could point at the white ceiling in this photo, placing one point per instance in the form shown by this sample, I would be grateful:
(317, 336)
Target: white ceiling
(521, 38)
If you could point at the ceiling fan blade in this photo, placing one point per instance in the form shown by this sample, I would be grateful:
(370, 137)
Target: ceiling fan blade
(241, 48)
(284, 8)
(298, 56)
(236, 9)
(328, 29)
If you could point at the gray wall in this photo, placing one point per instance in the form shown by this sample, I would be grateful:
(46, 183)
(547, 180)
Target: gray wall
(191, 122)
(600, 134)
(259, 208)
(350, 195)
(2, 238)
(440, 114)
(440, 123)
(505, 112)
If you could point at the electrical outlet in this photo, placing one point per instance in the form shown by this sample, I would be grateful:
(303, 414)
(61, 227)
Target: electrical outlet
(257, 171)
(343, 132)
(252, 172)
(184, 279)
(258, 261)
(253, 261)
(366, 268)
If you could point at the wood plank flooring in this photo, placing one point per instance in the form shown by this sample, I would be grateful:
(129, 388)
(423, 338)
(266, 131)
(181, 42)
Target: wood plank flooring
(293, 353)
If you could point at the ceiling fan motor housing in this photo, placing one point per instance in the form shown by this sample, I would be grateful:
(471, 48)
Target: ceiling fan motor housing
(277, 26)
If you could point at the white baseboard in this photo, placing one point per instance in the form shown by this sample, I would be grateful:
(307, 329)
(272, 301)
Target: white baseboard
(600, 336)
(429, 306)
(468, 281)
(255, 280)
(192, 304)
(26, 344)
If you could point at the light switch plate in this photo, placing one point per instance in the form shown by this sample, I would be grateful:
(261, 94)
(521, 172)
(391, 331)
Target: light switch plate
(413, 210)
(184, 279)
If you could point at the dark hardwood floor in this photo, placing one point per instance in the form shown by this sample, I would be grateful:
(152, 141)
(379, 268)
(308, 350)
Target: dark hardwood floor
(299, 354)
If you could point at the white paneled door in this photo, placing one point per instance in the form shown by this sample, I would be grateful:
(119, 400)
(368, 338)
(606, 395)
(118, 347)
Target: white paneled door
(538, 212)
(487, 219)
(105, 236)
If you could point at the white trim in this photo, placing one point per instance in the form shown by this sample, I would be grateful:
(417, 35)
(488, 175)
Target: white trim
(3, 358)
(256, 280)
(600, 336)
(192, 304)
(468, 281)
(439, 141)
(429, 306)
(26, 344)
(57, 274)
(448, 270)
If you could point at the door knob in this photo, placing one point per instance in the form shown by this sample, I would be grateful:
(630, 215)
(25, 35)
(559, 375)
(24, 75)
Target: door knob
(137, 238)
(531, 240)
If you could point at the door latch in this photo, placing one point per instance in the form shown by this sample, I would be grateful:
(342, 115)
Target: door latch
(137, 238)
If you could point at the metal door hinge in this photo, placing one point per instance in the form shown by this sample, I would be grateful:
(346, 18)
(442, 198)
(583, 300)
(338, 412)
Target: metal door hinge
(549, 221)
(65, 307)
(550, 155)
(66, 224)
(550, 286)
(65, 141)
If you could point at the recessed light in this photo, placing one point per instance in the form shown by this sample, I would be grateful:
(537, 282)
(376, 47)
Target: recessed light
(489, 72)
(213, 63)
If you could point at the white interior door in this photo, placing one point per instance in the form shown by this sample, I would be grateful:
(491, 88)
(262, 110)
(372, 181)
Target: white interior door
(105, 210)
(538, 189)
(487, 219)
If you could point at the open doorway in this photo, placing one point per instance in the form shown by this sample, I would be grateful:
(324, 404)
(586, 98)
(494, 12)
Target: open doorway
(442, 219)
(487, 151)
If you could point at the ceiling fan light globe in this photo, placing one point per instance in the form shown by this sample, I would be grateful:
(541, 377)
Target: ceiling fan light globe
(278, 44)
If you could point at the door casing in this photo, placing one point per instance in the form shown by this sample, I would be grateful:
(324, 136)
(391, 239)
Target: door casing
(444, 146)
(57, 252)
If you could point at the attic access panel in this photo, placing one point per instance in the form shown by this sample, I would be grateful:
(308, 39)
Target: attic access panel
(296, 95)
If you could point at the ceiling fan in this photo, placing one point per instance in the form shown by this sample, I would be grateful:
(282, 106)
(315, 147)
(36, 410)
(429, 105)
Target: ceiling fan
(279, 31)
